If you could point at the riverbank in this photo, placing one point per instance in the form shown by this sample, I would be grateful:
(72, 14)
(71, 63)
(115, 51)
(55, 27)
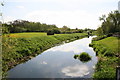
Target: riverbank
(108, 57)
(20, 49)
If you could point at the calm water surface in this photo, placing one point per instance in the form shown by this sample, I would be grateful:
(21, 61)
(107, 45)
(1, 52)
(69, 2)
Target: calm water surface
(58, 62)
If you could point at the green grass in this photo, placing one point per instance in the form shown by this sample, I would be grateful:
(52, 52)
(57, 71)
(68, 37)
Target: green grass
(27, 35)
(107, 51)
(111, 43)
(20, 49)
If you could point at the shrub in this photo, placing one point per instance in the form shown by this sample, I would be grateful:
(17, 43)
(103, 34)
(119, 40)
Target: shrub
(99, 38)
(110, 34)
(84, 57)
(76, 56)
(91, 45)
(77, 37)
(56, 31)
(50, 32)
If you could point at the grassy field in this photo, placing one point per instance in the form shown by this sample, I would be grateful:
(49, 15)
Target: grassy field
(20, 47)
(27, 35)
(108, 55)
(37, 34)
(111, 43)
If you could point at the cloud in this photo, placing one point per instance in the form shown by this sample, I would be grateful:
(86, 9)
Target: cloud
(21, 7)
(67, 48)
(43, 62)
(76, 70)
(80, 19)
(72, 13)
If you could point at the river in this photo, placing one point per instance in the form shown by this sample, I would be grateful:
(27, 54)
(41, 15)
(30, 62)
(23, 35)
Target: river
(58, 62)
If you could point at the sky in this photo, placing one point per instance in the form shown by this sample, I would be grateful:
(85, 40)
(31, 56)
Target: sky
(72, 13)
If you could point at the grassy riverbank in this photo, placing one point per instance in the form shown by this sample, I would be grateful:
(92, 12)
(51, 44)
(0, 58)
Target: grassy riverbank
(108, 57)
(20, 47)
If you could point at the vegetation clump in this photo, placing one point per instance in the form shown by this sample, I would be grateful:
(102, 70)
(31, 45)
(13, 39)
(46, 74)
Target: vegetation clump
(50, 32)
(76, 56)
(84, 57)
(99, 38)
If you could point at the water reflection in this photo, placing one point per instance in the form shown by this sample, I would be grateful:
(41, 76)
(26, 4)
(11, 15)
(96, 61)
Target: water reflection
(88, 36)
(76, 70)
(77, 46)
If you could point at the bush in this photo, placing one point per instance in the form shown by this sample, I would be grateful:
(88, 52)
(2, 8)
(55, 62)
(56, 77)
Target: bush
(110, 34)
(99, 38)
(56, 31)
(5, 30)
(91, 45)
(76, 56)
(50, 32)
(84, 57)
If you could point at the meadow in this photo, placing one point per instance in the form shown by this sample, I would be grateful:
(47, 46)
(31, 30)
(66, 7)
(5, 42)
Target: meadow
(20, 47)
(26, 35)
(107, 51)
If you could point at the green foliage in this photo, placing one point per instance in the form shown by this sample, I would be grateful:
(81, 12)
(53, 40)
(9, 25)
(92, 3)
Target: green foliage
(26, 26)
(106, 49)
(106, 68)
(84, 57)
(50, 32)
(19, 26)
(108, 53)
(100, 31)
(56, 31)
(99, 38)
(110, 24)
(5, 30)
(76, 56)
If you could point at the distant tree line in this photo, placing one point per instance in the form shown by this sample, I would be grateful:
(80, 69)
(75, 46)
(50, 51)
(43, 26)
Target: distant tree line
(26, 26)
(19, 26)
(110, 24)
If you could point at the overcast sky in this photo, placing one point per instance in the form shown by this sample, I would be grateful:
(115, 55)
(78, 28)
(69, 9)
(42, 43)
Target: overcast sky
(72, 13)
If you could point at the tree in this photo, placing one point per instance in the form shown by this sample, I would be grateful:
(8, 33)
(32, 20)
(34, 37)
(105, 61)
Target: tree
(110, 24)
(99, 31)
(26, 26)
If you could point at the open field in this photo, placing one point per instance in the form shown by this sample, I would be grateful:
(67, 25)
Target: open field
(108, 55)
(28, 34)
(20, 49)
(37, 34)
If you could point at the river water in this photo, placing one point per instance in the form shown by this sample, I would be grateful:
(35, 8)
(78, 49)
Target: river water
(58, 62)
